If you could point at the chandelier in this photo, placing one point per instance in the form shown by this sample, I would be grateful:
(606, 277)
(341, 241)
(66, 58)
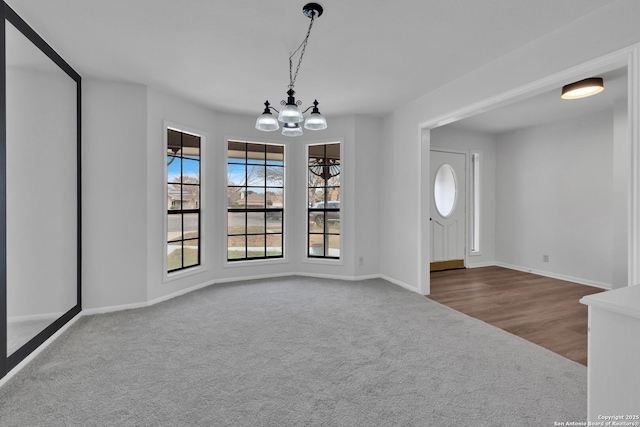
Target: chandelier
(290, 114)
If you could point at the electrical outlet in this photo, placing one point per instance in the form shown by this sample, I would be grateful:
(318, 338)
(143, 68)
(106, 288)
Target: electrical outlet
(361, 261)
(545, 258)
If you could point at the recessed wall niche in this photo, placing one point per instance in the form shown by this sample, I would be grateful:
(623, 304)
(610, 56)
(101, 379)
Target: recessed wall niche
(39, 192)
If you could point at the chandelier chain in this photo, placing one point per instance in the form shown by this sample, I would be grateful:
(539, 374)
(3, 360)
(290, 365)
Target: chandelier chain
(303, 46)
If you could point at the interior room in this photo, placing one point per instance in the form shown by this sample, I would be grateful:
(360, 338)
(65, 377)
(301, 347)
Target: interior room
(132, 293)
(539, 195)
(527, 125)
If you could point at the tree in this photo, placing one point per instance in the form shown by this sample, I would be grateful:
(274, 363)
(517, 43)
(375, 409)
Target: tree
(255, 174)
(185, 196)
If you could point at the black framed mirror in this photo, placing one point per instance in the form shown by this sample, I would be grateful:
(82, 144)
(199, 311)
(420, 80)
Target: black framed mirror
(40, 191)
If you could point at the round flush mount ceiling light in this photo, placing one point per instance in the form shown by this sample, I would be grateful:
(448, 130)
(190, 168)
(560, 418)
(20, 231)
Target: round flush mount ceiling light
(583, 88)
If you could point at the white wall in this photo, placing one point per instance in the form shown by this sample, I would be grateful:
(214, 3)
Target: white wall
(114, 193)
(620, 194)
(163, 107)
(400, 251)
(369, 171)
(124, 205)
(554, 197)
(448, 137)
(609, 29)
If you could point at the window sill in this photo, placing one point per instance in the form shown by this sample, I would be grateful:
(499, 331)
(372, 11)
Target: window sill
(323, 261)
(177, 275)
(250, 262)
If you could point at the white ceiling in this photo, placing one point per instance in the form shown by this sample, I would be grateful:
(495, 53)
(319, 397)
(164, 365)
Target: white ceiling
(548, 107)
(362, 58)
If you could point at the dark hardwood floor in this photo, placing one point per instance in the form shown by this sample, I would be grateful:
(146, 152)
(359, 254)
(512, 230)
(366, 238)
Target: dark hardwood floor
(539, 309)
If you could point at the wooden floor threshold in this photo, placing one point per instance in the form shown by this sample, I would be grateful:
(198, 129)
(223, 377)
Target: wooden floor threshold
(447, 265)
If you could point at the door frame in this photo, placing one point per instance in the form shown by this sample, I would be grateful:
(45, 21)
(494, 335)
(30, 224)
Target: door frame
(628, 57)
(467, 200)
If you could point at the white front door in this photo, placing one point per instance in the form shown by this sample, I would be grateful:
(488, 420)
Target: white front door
(448, 207)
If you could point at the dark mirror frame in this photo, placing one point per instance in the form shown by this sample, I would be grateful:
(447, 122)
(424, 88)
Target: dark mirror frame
(9, 362)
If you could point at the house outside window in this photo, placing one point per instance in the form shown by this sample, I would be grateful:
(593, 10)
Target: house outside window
(255, 201)
(183, 200)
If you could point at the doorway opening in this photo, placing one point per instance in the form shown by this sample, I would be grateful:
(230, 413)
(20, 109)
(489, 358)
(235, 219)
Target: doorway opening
(623, 60)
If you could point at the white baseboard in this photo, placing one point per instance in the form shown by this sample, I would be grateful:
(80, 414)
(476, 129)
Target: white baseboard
(38, 350)
(368, 277)
(254, 277)
(363, 277)
(337, 276)
(46, 316)
(179, 293)
(324, 276)
(578, 280)
(112, 308)
(480, 264)
(399, 283)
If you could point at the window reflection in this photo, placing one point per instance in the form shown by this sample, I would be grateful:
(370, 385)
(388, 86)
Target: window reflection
(323, 200)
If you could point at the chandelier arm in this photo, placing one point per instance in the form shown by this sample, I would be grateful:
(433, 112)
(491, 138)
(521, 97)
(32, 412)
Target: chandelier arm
(303, 46)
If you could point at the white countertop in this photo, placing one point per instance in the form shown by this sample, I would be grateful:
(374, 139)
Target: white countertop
(624, 301)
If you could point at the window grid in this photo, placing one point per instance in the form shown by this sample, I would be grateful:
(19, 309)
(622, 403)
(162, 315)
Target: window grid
(183, 200)
(255, 201)
(323, 226)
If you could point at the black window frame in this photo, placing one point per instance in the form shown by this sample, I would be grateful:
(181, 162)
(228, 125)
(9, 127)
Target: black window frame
(267, 211)
(324, 211)
(181, 211)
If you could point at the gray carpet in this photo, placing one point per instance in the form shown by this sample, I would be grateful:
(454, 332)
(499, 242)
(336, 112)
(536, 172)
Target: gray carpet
(293, 352)
(19, 333)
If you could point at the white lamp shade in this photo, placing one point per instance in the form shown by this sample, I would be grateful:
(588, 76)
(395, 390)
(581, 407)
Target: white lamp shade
(290, 114)
(291, 129)
(267, 122)
(315, 121)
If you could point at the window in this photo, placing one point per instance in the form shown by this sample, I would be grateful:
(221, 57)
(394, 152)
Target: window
(183, 200)
(475, 203)
(323, 239)
(445, 191)
(255, 201)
